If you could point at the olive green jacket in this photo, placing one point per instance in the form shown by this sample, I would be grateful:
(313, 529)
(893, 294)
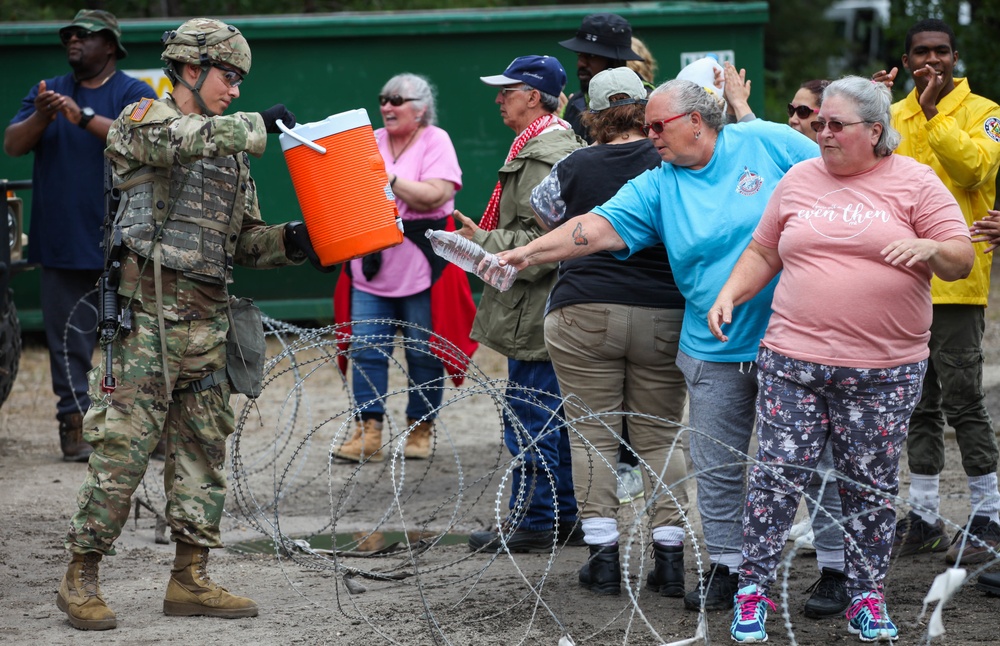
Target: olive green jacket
(511, 322)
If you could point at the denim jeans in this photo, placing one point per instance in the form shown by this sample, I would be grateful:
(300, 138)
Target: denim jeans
(543, 477)
(372, 334)
(71, 339)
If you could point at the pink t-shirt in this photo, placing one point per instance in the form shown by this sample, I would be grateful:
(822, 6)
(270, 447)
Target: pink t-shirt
(405, 270)
(838, 302)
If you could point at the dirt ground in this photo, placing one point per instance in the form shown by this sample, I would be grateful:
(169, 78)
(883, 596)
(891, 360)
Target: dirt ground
(284, 484)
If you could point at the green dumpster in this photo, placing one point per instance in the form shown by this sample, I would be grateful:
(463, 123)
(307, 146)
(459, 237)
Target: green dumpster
(324, 64)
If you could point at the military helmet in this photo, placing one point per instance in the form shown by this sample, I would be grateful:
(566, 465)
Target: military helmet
(203, 41)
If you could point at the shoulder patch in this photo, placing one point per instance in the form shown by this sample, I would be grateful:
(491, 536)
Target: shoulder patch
(992, 128)
(140, 109)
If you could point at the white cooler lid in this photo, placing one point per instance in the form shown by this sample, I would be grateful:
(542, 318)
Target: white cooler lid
(330, 126)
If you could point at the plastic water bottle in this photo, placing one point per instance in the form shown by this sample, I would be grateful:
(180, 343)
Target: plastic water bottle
(472, 258)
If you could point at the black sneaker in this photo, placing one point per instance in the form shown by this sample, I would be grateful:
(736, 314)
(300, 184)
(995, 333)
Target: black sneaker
(914, 535)
(519, 540)
(989, 582)
(829, 595)
(978, 546)
(719, 587)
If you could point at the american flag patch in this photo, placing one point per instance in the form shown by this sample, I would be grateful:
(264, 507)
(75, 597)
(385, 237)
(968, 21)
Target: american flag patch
(140, 110)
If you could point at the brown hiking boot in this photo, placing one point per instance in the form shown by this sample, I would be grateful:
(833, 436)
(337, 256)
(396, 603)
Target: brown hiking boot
(366, 444)
(80, 595)
(74, 448)
(419, 441)
(190, 592)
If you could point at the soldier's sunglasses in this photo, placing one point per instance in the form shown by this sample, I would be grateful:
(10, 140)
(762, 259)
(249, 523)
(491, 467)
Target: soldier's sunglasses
(233, 78)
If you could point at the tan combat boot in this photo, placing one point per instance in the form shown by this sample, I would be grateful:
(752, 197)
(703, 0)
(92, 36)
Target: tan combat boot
(419, 441)
(74, 448)
(366, 444)
(80, 595)
(190, 592)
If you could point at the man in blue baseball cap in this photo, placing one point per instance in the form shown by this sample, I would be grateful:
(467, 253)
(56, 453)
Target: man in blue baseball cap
(511, 322)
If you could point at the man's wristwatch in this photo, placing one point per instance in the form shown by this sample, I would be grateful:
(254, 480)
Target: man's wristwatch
(86, 114)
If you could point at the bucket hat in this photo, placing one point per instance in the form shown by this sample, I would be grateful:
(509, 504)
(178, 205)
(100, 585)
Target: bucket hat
(604, 34)
(97, 20)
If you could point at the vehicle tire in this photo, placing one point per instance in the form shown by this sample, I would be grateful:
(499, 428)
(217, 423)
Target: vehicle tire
(10, 348)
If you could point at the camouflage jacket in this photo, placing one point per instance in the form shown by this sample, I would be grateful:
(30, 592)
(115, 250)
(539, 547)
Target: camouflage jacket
(156, 137)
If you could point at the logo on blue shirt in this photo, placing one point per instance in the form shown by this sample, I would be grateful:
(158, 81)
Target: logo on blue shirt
(749, 182)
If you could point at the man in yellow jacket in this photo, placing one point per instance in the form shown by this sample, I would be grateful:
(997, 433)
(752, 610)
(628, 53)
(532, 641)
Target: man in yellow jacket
(957, 133)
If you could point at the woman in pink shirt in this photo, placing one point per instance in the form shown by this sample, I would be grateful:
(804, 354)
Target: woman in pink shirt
(395, 284)
(856, 235)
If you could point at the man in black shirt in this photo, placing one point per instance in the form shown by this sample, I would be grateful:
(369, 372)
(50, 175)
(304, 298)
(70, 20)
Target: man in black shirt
(603, 41)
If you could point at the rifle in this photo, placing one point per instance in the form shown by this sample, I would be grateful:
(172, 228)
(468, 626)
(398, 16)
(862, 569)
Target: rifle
(113, 318)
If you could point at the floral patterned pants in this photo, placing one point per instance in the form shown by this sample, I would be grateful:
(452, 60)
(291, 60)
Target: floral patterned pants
(864, 414)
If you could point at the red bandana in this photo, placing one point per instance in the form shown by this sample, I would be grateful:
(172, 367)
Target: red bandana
(491, 217)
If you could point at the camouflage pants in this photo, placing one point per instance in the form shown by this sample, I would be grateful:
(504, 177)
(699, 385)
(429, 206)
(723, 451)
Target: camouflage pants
(125, 428)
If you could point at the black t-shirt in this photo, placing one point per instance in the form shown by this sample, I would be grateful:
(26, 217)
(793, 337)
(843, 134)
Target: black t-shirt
(588, 178)
(573, 113)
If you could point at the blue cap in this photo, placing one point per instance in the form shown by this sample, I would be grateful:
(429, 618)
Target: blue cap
(544, 73)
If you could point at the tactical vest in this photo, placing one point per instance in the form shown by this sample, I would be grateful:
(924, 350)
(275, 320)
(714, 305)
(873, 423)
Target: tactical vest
(193, 211)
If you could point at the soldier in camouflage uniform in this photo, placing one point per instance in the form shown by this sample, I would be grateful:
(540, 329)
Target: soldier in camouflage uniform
(188, 211)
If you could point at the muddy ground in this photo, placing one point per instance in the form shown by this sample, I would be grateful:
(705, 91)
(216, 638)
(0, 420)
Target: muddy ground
(285, 485)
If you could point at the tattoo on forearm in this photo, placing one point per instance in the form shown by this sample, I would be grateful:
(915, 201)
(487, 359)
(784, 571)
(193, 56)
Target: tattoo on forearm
(579, 238)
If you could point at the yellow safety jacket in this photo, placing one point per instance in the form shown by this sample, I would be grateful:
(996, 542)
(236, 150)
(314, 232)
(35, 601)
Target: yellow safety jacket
(962, 144)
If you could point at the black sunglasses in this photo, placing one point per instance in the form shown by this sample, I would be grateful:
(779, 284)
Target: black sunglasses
(394, 99)
(66, 35)
(804, 111)
(835, 126)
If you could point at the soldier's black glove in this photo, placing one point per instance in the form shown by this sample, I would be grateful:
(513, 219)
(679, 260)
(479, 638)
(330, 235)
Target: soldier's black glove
(298, 247)
(271, 116)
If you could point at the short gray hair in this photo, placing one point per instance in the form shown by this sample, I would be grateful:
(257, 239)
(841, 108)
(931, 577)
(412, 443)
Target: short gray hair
(873, 102)
(688, 96)
(414, 86)
(549, 103)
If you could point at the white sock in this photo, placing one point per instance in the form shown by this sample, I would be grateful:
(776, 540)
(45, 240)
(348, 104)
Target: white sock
(984, 496)
(731, 560)
(833, 559)
(600, 531)
(925, 492)
(668, 535)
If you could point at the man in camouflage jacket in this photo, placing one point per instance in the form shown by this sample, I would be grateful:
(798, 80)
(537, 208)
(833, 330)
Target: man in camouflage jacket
(188, 212)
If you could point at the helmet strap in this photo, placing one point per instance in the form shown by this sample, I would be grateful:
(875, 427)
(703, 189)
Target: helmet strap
(196, 89)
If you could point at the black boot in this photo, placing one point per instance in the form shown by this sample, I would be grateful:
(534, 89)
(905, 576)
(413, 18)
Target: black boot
(667, 575)
(602, 572)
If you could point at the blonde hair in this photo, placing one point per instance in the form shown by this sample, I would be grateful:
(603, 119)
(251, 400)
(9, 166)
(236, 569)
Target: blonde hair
(646, 68)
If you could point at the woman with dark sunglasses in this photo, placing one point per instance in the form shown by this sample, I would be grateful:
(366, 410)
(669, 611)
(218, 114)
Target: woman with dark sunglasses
(804, 107)
(395, 284)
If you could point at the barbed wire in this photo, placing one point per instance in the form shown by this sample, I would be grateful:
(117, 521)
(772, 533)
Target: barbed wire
(398, 528)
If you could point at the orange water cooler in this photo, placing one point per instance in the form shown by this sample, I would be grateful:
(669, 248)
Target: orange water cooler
(342, 187)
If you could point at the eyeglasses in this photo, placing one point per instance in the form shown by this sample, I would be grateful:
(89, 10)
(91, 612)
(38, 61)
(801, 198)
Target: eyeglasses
(835, 126)
(657, 126)
(66, 35)
(505, 90)
(804, 111)
(232, 77)
(394, 99)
